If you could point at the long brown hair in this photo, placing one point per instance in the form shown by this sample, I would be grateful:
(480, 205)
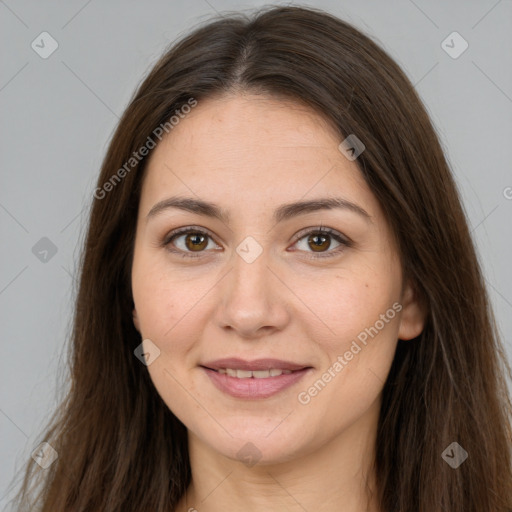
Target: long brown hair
(119, 446)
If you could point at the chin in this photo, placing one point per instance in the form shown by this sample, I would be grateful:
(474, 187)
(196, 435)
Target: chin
(262, 445)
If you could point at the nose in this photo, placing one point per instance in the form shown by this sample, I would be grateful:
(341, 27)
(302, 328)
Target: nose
(254, 301)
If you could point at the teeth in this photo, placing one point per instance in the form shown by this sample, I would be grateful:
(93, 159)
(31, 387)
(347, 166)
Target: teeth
(257, 374)
(263, 374)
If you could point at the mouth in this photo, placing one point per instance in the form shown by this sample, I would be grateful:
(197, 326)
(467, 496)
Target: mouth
(255, 374)
(254, 379)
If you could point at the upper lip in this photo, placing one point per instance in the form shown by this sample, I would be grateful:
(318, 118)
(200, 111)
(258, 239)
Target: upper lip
(256, 364)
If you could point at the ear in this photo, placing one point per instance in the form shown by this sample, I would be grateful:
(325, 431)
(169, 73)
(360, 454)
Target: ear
(136, 319)
(414, 312)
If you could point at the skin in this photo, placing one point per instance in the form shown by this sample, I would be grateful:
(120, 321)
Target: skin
(250, 154)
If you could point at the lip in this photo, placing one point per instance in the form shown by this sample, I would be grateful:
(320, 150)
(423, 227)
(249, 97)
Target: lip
(252, 388)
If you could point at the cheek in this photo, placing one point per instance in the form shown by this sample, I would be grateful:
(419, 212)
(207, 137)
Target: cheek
(361, 311)
(167, 317)
(356, 367)
(366, 322)
(161, 300)
(155, 308)
(350, 303)
(171, 310)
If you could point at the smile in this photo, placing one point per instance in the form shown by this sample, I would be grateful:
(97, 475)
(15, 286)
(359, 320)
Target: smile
(253, 384)
(256, 374)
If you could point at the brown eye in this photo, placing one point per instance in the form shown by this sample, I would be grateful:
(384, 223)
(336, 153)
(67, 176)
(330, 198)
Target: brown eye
(187, 241)
(196, 241)
(318, 242)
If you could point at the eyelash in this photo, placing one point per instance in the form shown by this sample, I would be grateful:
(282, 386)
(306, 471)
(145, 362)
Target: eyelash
(345, 242)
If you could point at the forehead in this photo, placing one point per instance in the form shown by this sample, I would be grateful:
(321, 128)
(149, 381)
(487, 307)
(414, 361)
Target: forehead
(254, 149)
(231, 124)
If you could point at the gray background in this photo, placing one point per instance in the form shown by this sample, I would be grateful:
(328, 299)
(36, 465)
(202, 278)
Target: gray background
(59, 113)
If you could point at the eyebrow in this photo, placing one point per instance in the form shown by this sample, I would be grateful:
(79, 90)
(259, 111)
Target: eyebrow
(283, 212)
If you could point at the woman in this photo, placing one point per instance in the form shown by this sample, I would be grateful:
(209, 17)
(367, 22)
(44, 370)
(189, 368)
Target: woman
(280, 305)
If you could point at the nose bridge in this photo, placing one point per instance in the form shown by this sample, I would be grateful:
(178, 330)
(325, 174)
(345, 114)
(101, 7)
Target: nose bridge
(249, 277)
(251, 298)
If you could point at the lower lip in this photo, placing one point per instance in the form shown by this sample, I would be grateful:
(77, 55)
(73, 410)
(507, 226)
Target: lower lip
(251, 388)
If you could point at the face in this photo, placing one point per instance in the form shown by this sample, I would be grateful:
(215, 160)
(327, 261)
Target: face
(318, 291)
